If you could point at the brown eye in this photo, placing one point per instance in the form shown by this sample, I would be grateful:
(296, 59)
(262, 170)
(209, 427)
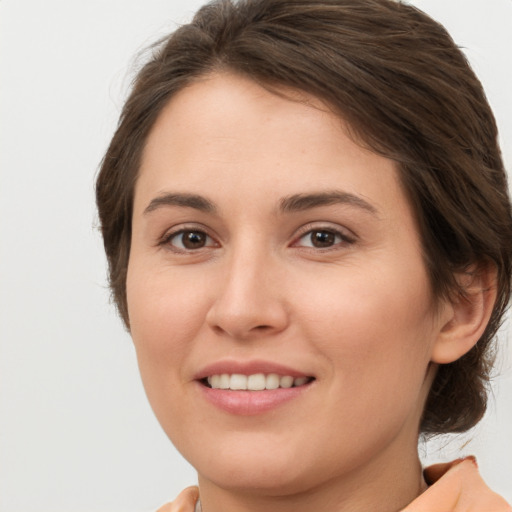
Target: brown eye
(189, 240)
(322, 238)
(193, 239)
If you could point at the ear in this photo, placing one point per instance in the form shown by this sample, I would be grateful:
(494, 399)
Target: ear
(465, 318)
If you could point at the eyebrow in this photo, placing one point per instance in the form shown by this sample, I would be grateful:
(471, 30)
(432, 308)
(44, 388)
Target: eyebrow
(184, 200)
(289, 204)
(301, 202)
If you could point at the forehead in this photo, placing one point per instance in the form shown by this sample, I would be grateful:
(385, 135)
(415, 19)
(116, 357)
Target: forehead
(231, 111)
(228, 136)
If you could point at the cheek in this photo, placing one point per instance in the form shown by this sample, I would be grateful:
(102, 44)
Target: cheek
(375, 329)
(166, 313)
(166, 316)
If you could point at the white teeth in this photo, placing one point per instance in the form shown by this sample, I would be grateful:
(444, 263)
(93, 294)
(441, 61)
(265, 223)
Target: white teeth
(300, 381)
(286, 382)
(255, 382)
(238, 381)
(272, 381)
(224, 381)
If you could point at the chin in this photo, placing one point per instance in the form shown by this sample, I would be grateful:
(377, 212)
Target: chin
(242, 467)
(278, 480)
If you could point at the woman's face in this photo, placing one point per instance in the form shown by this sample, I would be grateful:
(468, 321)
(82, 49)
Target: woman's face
(269, 249)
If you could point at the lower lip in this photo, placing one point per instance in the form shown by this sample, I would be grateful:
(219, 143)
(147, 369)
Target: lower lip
(250, 403)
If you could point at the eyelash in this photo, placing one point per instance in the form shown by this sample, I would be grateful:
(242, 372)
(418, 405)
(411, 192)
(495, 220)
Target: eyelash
(341, 239)
(168, 238)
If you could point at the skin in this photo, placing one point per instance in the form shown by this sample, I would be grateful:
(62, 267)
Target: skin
(458, 487)
(358, 315)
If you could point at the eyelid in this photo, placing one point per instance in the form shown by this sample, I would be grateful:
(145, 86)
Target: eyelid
(170, 233)
(348, 236)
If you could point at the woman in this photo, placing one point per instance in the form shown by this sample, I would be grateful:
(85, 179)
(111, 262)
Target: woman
(305, 215)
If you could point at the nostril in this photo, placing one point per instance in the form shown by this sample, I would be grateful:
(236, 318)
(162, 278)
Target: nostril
(218, 329)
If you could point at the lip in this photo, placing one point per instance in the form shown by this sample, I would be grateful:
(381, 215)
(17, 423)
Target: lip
(249, 403)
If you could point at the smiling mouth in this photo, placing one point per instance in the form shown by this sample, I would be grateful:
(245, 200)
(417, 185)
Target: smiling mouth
(254, 382)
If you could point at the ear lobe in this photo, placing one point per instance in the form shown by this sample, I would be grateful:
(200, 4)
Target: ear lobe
(468, 315)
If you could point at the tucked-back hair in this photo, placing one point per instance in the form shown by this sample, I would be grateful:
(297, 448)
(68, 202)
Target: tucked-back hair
(407, 93)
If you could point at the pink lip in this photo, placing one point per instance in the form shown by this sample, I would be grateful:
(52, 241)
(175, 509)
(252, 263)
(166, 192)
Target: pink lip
(247, 368)
(249, 403)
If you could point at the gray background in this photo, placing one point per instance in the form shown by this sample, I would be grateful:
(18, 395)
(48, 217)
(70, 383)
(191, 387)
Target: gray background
(75, 430)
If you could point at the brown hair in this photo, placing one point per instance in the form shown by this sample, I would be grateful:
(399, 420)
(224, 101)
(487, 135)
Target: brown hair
(407, 92)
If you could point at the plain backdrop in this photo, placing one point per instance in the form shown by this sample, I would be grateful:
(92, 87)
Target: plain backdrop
(76, 433)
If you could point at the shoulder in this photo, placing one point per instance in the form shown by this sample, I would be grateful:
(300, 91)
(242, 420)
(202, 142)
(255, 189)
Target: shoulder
(165, 508)
(457, 487)
(184, 502)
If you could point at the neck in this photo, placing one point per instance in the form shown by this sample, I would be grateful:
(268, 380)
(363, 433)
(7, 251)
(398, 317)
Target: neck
(385, 485)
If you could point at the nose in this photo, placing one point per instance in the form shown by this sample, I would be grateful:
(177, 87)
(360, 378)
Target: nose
(249, 301)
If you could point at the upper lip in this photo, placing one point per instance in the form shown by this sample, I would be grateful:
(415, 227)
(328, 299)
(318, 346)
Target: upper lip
(248, 368)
